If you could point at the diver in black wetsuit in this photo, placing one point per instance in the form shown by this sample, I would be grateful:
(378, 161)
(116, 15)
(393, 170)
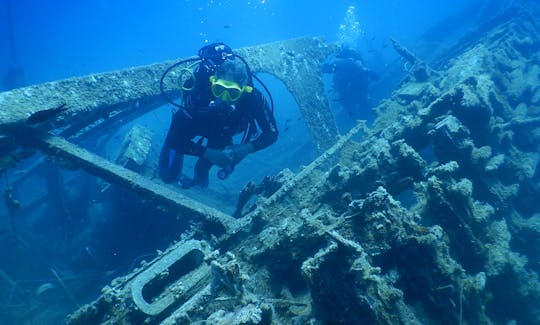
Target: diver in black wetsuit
(219, 101)
(351, 81)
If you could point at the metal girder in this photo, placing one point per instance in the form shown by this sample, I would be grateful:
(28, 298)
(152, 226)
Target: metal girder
(163, 196)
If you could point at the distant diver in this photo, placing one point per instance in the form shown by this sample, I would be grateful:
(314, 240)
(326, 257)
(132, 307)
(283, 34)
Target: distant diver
(351, 80)
(219, 101)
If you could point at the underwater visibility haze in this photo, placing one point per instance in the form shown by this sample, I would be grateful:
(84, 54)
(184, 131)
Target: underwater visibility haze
(386, 172)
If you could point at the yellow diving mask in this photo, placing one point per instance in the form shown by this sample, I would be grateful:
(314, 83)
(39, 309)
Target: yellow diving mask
(227, 91)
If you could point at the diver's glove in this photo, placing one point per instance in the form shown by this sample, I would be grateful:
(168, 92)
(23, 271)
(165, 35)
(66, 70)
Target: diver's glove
(240, 151)
(218, 157)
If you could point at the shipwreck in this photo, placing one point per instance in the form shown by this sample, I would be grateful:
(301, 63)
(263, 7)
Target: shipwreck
(428, 216)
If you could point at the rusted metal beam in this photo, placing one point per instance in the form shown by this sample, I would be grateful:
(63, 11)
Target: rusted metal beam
(165, 198)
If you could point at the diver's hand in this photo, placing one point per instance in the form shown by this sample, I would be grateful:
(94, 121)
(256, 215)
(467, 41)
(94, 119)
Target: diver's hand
(218, 157)
(240, 151)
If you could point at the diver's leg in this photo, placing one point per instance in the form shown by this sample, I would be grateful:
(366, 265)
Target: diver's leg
(171, 157)
(201, 172)
(170, 164)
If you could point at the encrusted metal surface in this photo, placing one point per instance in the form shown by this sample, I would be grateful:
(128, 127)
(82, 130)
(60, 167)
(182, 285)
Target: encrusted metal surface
(196, 271)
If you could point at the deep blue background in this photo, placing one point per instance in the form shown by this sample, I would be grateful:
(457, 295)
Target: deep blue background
(58, 39)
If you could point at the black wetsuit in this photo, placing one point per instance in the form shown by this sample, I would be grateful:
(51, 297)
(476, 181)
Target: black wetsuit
(217, 122)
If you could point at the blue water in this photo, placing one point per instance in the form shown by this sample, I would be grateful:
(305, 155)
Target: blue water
(52, 40)
(59, 39)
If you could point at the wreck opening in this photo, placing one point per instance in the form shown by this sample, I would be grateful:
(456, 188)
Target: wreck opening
(152, 290)
(294, 146)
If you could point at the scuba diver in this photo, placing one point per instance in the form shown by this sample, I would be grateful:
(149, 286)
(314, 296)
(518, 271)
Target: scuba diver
(219, 101)
(351, 80)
